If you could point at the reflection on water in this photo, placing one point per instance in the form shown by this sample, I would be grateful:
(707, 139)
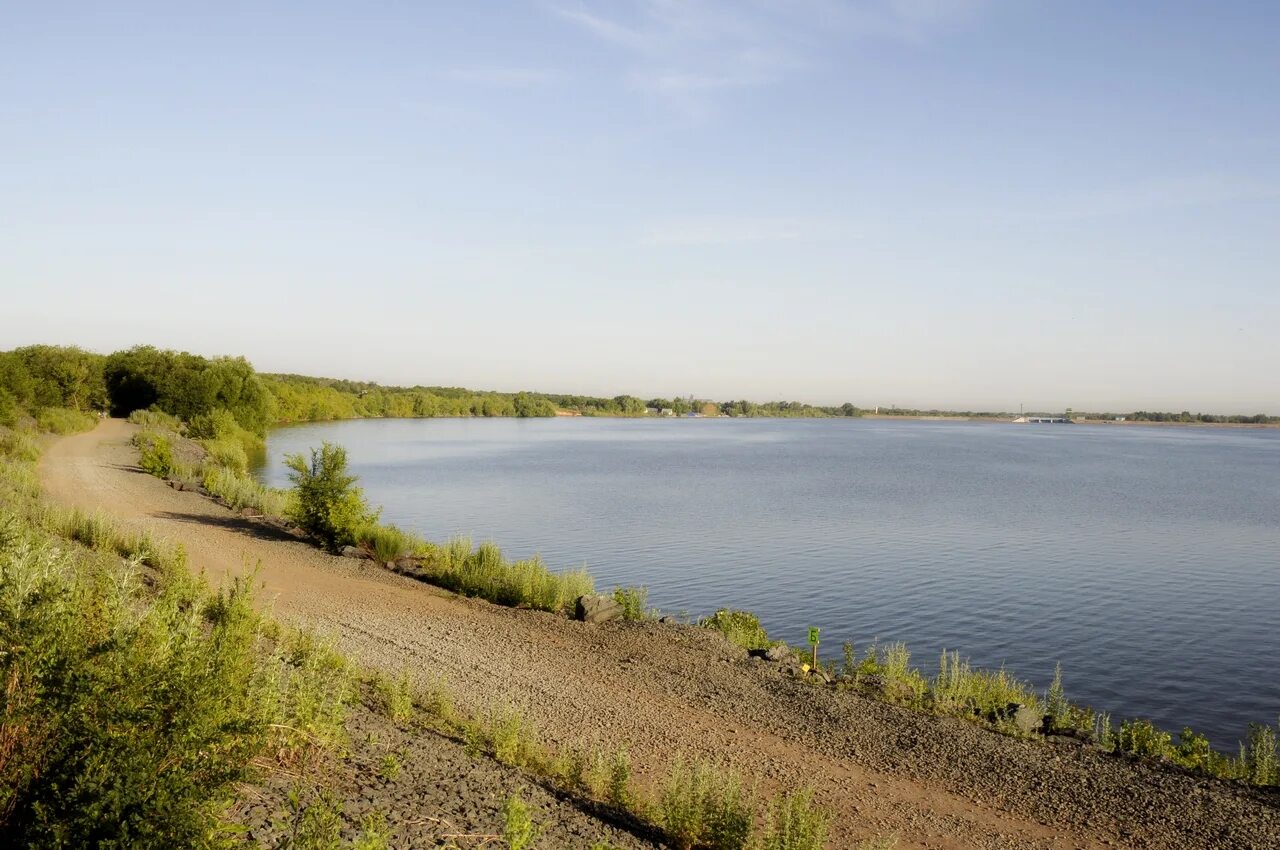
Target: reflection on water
(1142, 558)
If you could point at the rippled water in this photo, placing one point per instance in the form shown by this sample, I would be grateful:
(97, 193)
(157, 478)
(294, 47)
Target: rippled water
(1144, 559)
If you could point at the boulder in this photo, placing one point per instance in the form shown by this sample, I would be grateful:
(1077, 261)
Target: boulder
(594, 608)
(352, 552)
(1025, 718)
(781, 652)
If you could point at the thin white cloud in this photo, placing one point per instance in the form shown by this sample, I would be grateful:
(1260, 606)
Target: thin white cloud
(684, 48)
(733, 229)
(503, 77)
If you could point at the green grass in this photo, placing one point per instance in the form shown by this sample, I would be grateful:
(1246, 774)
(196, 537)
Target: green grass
(518, 828)
(156, 420)
(740, 627)
(238, 490)
(633, 601)
(63, 420)
(485, 573)
(963, 691)
(387, 543)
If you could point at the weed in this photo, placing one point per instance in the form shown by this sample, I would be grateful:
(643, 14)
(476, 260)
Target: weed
(486, 574)
(619, 791)
(1142, 738)
(389, 769)
(793, 822)
(386, 542)
(632, 600)
(702, 805)
(518, 828)
(395, 696)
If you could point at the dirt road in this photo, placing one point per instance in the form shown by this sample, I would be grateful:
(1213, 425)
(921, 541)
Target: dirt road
(666, 689)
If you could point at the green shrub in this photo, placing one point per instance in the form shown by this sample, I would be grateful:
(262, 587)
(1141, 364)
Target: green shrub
(8, 407)
(740, 627)
(329, 505)
(227, 453)
(126, 720)
(395, 696)
(702, 805)
(518, 828)
(1193, 751)
(62, 420)
(155, 453)
(633, 601)
(793, 822)
(1259, 759)
(961, 690)
(1143, 738)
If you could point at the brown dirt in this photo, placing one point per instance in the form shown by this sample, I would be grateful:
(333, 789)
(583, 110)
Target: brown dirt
(662, 689)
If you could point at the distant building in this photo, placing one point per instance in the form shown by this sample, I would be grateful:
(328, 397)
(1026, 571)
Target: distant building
(666, 411)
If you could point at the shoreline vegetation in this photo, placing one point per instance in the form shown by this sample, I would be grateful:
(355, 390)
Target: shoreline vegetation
(111, 633)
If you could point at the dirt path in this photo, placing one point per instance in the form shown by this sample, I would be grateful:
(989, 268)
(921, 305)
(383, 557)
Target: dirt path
(662, 689)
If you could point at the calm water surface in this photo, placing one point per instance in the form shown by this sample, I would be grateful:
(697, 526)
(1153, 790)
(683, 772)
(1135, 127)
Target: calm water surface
(1144, 559)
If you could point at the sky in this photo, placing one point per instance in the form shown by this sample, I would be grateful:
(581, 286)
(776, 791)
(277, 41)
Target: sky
(972, 204)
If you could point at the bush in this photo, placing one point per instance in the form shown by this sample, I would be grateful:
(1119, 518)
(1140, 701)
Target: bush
(794, 823)
(155, 453)
(702, 805)
(740, 627)
(8, 407)
(632, 600)
(1143, 738)
(227, 453)
(329, 505)
(518, 829)
(20, 445)
(125, 720)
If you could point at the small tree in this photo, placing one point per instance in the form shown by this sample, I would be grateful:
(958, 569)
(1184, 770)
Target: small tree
(329, 505)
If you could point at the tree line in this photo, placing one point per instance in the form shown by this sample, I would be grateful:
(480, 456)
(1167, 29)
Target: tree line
(50, 377)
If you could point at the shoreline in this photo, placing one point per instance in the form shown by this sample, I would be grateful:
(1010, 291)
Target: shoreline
(666, 682)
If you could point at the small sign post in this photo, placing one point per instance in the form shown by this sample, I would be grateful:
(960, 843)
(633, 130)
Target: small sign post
(813, 642)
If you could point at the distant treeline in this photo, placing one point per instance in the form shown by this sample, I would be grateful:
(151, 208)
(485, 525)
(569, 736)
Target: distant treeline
(49, 378)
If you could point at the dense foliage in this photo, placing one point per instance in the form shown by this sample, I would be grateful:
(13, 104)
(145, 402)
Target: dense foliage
(329, 505)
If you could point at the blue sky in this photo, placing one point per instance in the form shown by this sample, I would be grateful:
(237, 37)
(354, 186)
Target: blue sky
(918, 202)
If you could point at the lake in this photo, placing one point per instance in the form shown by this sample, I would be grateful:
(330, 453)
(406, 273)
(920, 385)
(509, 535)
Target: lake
(1144, 559)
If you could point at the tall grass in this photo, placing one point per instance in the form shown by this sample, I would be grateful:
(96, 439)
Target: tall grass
(485, 573)
(64, 420)
(961, 690)
(156, 420)
(238, 490)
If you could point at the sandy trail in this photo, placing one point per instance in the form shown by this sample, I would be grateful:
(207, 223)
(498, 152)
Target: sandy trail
(665, 689)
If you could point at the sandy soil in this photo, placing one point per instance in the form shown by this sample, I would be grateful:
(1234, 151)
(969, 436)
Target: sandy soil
(664, 689)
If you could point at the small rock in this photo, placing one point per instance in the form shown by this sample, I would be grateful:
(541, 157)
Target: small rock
(1025, 718)
(594, 608)
(777, 653)
(352, 552)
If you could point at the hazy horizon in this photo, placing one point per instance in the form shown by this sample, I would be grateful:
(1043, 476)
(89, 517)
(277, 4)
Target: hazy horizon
(959, 204)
